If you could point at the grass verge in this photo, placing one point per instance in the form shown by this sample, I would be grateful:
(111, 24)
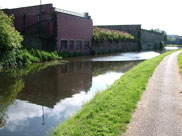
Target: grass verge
(180, 63)
(109, 112)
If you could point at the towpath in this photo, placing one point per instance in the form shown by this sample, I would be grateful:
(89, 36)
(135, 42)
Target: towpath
(159, 113)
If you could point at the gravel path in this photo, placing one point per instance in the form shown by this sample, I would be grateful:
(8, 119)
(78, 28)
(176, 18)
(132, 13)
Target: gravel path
(159, 113)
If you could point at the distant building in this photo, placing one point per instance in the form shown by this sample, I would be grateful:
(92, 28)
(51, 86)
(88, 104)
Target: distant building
(151, 40)
(46, 27)
(146, 39)
(179, 40)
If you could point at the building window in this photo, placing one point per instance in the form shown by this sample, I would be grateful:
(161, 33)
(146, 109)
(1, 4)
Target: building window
(86, 44)
(64, 44)
(71, 45)
(79, 44)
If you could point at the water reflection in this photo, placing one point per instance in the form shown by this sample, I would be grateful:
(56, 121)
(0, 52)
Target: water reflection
(171, 48)
(48, 86)
(40, 100)
(131, 56)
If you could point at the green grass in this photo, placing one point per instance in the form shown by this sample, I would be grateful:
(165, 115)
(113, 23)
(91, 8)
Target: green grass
(180, 63)
(109, 112)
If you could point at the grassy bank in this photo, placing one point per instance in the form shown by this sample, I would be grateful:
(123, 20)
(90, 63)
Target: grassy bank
(109, 112)
(180, 63)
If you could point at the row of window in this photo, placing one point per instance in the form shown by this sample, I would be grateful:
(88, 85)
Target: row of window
(64, 44)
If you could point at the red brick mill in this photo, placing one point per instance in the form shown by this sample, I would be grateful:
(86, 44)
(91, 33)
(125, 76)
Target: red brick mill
(46, 27)
(49, 28)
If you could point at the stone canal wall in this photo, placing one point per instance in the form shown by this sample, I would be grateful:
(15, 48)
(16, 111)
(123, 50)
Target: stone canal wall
(108, 47)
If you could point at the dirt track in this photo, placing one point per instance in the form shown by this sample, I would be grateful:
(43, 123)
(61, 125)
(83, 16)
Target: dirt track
(159, 113)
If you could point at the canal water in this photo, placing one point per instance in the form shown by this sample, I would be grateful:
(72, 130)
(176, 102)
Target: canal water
(35, 99)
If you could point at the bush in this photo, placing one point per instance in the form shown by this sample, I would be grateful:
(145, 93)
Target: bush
(100, 35)
(24, 56)
(10, 46)
(43, 55)
(10, 39)
(9, 58)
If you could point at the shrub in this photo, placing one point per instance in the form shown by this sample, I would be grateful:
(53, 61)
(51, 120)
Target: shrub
(9, 58)
(100, 35)
(24, 56)
(10, 46)
(45, 56)
(10, 39)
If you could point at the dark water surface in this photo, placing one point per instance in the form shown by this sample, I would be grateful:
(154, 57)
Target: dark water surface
(35, 99)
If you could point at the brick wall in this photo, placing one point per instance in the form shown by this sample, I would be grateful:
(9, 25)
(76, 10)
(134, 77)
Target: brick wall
(108, 47)
(70, 27)
(27, 16)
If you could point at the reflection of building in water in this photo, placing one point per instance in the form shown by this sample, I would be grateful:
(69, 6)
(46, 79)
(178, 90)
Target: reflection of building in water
(49, 86)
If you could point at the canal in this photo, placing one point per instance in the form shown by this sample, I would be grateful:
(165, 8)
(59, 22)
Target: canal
(35, 99)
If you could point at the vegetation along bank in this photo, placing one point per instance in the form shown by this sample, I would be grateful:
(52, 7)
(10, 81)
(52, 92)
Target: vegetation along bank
(109, 112)
(180, 62)
(11, 49)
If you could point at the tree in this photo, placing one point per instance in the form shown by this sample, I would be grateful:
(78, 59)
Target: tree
(10, 38)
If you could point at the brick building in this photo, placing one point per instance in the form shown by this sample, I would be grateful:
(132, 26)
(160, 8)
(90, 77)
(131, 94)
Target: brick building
(46, 27)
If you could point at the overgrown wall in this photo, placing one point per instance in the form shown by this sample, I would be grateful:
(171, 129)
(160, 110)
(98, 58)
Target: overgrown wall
(131, 29)
(134, 30)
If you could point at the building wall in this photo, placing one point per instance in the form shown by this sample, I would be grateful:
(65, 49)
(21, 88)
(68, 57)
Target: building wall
(37, 25)
(146, 40)
(108, 47)
(151, 40)
(47, 27)
(74, 28)
(179, 40)
(134, 30)
(27, 16)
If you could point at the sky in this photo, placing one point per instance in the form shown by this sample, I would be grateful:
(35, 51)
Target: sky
(151, 14)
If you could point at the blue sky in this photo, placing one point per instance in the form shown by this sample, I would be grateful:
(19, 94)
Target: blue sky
(152, 14)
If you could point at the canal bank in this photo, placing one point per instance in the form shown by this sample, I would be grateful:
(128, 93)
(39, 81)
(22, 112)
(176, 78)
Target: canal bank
(109, 112)
(180, 63)
(36, 99)
(157, 112)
